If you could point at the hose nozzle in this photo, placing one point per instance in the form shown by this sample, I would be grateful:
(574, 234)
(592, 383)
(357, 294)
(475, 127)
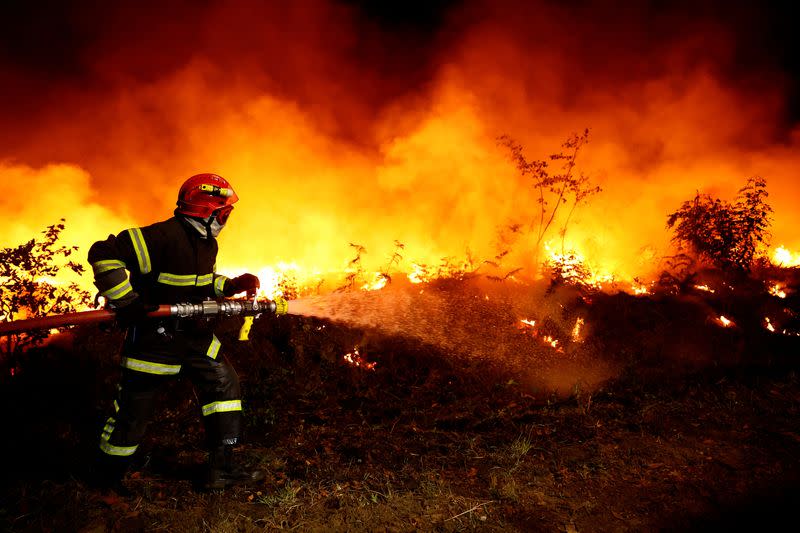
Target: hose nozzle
(278, 306)
(281, 305)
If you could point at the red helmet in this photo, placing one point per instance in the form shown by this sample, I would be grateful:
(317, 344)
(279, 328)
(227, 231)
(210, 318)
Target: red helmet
(203, 195)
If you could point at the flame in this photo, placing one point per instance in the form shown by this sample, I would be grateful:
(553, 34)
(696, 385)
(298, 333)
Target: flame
(418, 274)
(410, 155)
(768, 324)
(576, 330)
(282, 277)
(379, 281)
(571, 266)
(640, 289)
(777, 290)
(547, 339)
(785, 258)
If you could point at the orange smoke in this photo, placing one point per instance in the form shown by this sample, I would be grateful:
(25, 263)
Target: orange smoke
(335, 130)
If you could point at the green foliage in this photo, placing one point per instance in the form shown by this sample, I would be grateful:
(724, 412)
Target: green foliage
(553, 189)
(728, 235)
(28, 286)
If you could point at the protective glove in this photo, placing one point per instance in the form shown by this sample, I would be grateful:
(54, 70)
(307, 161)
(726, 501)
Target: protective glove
(245, 282)
(133, 312)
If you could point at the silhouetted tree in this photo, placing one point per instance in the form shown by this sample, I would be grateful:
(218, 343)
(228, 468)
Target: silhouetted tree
(28, 285)
(728, 235)
(355, 270)
(394, 260)
(552, 189)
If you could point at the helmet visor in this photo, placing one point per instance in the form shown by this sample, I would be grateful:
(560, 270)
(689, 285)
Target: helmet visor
(223, 213)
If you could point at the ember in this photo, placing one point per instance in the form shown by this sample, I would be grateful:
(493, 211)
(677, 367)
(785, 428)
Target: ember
(724, 321)
(549, 340)
(355, 359)
(777, 290)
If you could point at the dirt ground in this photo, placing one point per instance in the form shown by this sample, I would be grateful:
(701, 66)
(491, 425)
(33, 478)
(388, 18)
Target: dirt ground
(427, 440)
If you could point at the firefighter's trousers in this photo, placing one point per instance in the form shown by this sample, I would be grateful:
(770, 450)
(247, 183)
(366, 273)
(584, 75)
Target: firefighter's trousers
(153, 354)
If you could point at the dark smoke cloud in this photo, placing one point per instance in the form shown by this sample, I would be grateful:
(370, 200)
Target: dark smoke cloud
(348, 60)
(345, 59)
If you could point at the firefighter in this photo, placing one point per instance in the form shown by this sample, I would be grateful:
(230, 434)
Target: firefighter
(169, 262)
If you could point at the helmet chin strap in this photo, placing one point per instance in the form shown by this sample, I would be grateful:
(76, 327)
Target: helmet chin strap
(208, 227)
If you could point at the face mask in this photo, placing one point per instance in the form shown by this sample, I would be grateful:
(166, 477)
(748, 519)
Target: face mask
(208, 227)
(215, 227)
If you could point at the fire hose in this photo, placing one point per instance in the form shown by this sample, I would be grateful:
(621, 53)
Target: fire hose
(208, 309)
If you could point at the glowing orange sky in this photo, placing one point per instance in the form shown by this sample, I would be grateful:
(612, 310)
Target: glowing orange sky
(329, 137)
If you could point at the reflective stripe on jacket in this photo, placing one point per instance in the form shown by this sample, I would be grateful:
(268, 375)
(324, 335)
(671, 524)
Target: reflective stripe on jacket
(168, 263)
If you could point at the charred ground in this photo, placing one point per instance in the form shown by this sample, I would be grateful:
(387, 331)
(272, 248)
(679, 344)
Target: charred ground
(697, 426)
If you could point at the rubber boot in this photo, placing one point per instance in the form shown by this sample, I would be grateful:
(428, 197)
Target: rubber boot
(224, 472)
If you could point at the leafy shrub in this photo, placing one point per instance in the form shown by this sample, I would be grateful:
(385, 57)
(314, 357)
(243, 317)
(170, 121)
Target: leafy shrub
(28, 285)
(728, 235)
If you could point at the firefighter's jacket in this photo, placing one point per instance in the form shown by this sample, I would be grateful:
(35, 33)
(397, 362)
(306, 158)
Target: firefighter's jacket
(168, 263)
